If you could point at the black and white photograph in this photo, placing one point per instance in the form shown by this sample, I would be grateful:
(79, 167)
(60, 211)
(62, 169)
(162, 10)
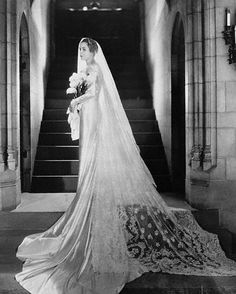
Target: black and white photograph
(118, 147)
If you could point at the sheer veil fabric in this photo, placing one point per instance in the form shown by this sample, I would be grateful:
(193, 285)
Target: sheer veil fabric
(117, 226)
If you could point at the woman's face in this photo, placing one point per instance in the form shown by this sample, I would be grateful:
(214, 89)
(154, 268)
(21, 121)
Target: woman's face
(85, 53)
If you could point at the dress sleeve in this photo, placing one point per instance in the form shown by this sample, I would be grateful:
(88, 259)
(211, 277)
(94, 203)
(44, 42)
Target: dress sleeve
(91, 87)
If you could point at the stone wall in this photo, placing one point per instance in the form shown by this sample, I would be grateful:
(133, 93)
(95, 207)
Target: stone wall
(159, 22)
(210, 97)
(39, 26)
(37, 17)
(224, 181)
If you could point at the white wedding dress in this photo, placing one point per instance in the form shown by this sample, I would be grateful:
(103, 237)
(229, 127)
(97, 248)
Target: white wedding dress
(117, 227)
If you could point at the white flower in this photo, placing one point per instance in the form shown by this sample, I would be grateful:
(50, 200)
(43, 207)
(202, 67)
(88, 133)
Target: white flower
(71, 91)
(74, 76)
(77, 79)
(73, 84)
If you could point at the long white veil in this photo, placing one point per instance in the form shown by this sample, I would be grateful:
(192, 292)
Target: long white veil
(124, 189)
(121, 176)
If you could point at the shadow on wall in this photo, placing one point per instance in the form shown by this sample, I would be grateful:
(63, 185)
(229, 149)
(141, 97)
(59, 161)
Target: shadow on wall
(178, 149)
(39, 52)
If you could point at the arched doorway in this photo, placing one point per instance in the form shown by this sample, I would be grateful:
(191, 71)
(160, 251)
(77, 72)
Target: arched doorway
(25, 136)
(178, 106)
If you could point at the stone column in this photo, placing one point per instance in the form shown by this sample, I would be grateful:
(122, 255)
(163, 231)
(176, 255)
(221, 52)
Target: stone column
(202, 83)
(189, 84)
(210, 140)
(196, 106)
(9, 108)
(2, 87)
(11, 82)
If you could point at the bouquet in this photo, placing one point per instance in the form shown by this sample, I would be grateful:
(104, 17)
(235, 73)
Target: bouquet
(77, 84)
(78, 87)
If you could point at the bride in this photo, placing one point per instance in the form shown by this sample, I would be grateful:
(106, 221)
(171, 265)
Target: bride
(117, 226)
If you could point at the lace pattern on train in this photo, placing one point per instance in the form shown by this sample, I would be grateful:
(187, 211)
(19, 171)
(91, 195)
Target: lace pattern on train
(163, 245)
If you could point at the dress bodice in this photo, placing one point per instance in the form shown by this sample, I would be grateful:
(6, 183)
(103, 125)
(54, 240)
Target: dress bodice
(93, 83)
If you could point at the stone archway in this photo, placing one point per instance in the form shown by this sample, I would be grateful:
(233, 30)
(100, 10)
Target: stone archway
(25, 129)
(178, 157)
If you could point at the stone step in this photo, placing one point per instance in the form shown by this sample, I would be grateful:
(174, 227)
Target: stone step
(71, 167)
(132, 114)
(13, 228)
(129, 65)
(56, 126)
(125, 94)
(14, 223)
(10, 240)
(114, 63)
(72, 152)
(118, 74)
(111, 59)
(57, 184)
(124, 83)
(64, 139)
(54, 103)
(11, 222)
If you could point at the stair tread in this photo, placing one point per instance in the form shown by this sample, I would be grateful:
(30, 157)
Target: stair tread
(76, 176)
(135, 133)
(68, 160)
(132, 120)
(128, 109)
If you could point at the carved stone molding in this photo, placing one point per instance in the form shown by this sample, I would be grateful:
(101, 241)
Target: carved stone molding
(207, 158)
(196, 157)
(202, 84)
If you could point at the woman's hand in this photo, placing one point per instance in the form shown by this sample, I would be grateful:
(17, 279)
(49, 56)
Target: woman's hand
(73, 103)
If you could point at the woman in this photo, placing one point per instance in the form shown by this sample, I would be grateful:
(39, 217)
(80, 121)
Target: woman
(117, 227)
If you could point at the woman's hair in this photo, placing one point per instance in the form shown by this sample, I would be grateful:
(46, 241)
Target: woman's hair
(92, 44)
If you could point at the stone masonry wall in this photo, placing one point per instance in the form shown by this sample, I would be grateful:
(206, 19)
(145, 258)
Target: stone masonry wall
(38, 21)
(210, 97)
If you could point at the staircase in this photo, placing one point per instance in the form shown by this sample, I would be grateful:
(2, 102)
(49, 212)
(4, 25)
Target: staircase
(118, 33)
(57, 161)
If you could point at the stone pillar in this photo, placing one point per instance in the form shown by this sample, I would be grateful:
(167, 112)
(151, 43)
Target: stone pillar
(8, 112)
(2, 88)
(202, 83)
(197, 109)
(11, 83)
(189, 84)
(210, 96)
